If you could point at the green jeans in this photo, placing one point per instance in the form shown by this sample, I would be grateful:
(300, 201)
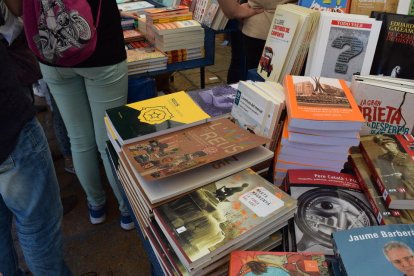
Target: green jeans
(82, 96)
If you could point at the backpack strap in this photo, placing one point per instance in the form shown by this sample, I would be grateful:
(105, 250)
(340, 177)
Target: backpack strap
(98, 16)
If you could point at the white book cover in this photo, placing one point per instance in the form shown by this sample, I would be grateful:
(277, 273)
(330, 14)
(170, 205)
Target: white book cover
(135, 6)
(387, 108)
(278, 43)
(344, 46)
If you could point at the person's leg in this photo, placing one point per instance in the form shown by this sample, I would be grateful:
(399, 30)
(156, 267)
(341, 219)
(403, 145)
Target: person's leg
(237, 62)
(29, 189)
(69, 92)
(107, 87)
(253, 49)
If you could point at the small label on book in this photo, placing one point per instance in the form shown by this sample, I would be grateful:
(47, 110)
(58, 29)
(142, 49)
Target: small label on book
(181, 229)
(261, 201)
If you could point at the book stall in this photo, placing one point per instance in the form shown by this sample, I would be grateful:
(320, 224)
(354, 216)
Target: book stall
(307, 168)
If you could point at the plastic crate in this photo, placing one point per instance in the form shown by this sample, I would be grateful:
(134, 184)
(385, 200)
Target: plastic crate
(140, 88)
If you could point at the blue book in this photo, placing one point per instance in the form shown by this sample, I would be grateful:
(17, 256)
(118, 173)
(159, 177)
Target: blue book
(341, 6)
(376, 250)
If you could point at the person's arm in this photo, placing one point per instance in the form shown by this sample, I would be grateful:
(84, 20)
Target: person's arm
(233, 10)
(15, 6)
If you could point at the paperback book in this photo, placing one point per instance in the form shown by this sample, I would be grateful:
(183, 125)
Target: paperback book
(341, 6)
(327, 202)
(189, 148)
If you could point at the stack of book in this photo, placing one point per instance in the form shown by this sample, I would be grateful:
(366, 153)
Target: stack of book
(287, 42)
(174, 32)
(323, 123)
(189, 185)
(328, 56)
(133, 35)
(327, 202)
(209, 13)
(259, 107)
(376, 250)
(142, 57)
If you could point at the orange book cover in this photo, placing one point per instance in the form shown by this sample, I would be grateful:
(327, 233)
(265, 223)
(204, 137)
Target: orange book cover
(277, 263)
(320, 99)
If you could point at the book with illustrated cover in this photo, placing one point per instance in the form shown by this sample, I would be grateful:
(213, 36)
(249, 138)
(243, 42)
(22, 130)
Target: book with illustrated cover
(341, 6)
(343, 46)
(327, 202)
(385, 105)
(217, 101)
(321, 103)
(212, 221)
(390, 160)
(132, 35)
(179, 151)
(155, 116)
(383, 214)
(277, 263)
(393, 55)
(376, 250)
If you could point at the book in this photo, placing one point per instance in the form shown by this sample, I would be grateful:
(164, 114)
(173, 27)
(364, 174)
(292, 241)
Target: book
(390, 159)
(405, 7)
(321, 103)
(386, 106)
(343, 46)
(153, 117)
(327, 202)
(179, 151)
(366, 7)
(277, 263)
(342, 6)
(137, 55)
(376, 250)
(176, 27)
(217, 101)
(383, 214)
(288, 38)
(222, 216)
(393, 52)
(135, 6)
(132, 35)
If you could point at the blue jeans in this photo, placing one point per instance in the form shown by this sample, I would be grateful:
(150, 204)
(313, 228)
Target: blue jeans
(29, 191)
(82, 96)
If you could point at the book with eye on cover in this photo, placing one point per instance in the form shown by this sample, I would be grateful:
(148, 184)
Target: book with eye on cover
(179, 151)
(390, 159)
(155, 116)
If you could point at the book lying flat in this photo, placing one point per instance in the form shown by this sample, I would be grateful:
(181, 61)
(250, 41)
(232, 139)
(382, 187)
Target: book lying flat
(186, 149)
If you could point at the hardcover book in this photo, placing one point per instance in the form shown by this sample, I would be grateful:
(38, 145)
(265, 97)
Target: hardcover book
(156, 116)
(176, 152)
(383, 214)
(221, 216)
(343, 46)
(277, 263)
(386, 106)
(321, 103)
(390, 159)
(393, 55)
(327, 202)
(377, 250)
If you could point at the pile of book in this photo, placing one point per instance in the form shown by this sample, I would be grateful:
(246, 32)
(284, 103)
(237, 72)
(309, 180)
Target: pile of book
(287, 42)
(188, 181)
(209, 13)
(323, 123)
(260, 108)
(143, 57)
(174, 32)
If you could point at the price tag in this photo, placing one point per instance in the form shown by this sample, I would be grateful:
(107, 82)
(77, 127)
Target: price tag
(261, 201)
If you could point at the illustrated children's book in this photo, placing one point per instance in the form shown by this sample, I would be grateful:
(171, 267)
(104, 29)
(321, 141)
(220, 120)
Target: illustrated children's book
(179, 151)
(376, 250)
(341, 6)
(155, 116)
(277, 263)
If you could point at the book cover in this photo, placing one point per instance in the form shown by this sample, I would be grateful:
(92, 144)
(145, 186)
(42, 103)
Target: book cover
(393, 55)
(383, 214)
(210, 220)
(327, 202)
(217, 101)
(386, 107)
(148, 118)
(366, 7)
(377, 250)
(277, 263)
(176, 152)
(137, 55)
(342, 6)
(390, 159)
(321, 103)
(134, 6)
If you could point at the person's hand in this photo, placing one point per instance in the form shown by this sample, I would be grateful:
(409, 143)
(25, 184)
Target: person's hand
(129, 14)
(247, 11)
